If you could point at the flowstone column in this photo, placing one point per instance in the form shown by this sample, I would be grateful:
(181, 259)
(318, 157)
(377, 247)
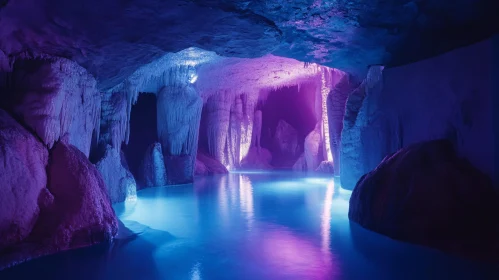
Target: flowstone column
(179, 115)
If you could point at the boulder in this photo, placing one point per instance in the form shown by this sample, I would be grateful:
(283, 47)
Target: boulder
(77, 211)
(205, 165)
(313, 149)
(153, 167)
(326, 167)
(119, 181)
(257, 159)
(22, 177)
(428, 195)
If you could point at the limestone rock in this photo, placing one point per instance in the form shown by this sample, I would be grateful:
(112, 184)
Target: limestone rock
(427, 194)
(326, 167)
(313, 151)
(153, 167)
(120, 183)
(57, 99)
(257, 159)
(300, 164)
(80, 213)
(286, 139)
(205, 165)
(22, 177)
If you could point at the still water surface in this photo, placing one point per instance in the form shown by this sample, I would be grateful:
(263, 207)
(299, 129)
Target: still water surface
(248, 226)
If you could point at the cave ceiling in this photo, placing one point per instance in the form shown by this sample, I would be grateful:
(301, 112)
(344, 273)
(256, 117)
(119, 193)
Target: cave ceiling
(113, 38)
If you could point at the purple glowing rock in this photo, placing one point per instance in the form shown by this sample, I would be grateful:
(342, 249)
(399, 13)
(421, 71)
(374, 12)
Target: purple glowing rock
(313, 149)
(286, 139)
(79, 213)
(257, 159)
(22, 177)
(427, 194)
(205, 165)
(326, 167)
(75, 210)
(300, 164)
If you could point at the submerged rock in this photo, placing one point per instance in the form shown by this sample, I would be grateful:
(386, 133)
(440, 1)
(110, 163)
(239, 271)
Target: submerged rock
(22, 178)
(120, 183)
(426, 194)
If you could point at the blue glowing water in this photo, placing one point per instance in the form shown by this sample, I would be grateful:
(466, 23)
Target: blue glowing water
(248, 226)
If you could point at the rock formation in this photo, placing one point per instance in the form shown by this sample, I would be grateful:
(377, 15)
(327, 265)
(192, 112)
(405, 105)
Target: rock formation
(205, 165)
(22, 177)
(427, 194)
(257, 159)
(179, 114)
(326, 167)
(313, 149)
(119, 182)
(57, 99)
(153, 168)
(286, 139)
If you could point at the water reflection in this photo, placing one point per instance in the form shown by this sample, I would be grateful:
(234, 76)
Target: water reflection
(248, 226)
(246, 198)
(326, 218)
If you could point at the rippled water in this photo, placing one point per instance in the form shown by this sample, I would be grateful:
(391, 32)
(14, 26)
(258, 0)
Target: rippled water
(248, 226)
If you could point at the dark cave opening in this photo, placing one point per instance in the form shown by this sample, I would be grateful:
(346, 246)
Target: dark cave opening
(143, 131)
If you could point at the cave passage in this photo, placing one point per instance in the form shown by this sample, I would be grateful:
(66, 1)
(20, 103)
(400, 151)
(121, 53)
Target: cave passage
(143, 131)
(293, 105)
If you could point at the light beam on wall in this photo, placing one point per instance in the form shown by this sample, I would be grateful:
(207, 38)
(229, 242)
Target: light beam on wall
(325, 120)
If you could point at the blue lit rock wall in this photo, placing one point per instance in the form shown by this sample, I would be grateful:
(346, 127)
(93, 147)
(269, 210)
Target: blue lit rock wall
(449, 96)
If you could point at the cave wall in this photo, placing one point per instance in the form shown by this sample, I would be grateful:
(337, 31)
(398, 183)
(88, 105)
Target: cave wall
(56, 98)
(449, 96)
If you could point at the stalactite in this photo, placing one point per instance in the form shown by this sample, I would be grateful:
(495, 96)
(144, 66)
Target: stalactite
(58, 99)
(179, 115)
(248, 105)
(218, 108)
(235, 130)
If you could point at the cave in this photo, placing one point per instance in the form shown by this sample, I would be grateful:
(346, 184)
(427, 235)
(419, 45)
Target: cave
(141, 136)
(288, 116)
(249, 139)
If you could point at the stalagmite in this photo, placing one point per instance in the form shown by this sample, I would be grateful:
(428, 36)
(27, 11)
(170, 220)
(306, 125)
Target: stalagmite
(153, 167)
(179, 114)
(313, 149)
(120, 183)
